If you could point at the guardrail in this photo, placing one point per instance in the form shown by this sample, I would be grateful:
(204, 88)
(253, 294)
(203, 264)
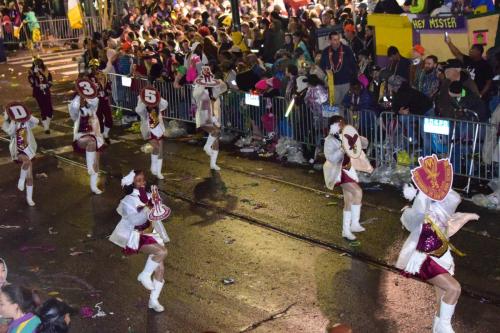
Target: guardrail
(53, 31)
(473, 147)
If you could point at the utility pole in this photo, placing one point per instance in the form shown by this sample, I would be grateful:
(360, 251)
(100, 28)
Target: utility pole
(235, 11)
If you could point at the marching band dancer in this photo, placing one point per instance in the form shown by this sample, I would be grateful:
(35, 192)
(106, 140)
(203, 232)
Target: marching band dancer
(206, 93)
(133, 234)
(431, 221)
(344, 155)
(18, 122)
(150, 107)
(87, 135)
(104, 113)
(40, 79)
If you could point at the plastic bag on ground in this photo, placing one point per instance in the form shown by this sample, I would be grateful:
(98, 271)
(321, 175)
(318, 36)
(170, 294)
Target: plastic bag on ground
(291, 150)
(490, 201)
(175, 129)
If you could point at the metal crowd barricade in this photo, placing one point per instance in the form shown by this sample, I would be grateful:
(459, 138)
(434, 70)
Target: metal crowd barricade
(464, 142)
(54, 31)
(394, 139)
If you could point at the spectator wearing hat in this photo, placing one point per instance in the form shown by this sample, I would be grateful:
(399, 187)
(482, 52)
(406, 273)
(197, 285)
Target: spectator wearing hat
(398, 65)
(352, 40)
(55, 316)
(479, 69)
(426, 78)
(417, 63)
(407, 100)
(362, 19)
(466, 106)
(452, 71)
(463, 101)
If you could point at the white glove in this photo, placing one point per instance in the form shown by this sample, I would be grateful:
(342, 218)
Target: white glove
(415, 263)
(43, 86)
(409, 192)
(215, 121)
(334, 128)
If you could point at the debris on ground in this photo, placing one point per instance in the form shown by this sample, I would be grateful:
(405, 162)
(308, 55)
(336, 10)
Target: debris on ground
(52, 232)
(290, 150)
(490, 201)
(227, 137)
(175, 129)
(229, 241)
(86, 312)
(100, 312)
(370, 220)
(4, 226)
(397, 175)
(147, 148)
(41, 175)
(41, 248)
(228, 281)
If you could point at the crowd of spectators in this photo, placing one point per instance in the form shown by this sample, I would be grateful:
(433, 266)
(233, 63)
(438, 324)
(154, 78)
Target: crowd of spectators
(171, 43)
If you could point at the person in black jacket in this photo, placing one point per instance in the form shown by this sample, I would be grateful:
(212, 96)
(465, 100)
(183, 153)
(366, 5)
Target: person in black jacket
(406, 100)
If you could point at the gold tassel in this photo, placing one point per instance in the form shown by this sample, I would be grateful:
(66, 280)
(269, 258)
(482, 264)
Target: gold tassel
(443, 238)
(331, 87)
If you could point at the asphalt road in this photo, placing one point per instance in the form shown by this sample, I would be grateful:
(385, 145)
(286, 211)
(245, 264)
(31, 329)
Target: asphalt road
(270, 228)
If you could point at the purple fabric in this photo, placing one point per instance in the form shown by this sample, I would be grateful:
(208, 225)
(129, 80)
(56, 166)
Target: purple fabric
(15, 323)
(429, 240)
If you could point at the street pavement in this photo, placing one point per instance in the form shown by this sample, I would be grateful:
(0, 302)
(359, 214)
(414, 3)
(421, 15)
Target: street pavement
(275, 230)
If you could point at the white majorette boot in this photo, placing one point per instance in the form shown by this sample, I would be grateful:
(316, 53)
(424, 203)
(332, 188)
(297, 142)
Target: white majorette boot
(154, 163)
(22, 179)
(346, 226)
(29, 195)
(159, 164)
(94, 176)
(435, 323)
(213, 160)
(145, 276)
(445, 313)
(155, 294)
(105, 132)
(208, 145)
(355, 215)
(93, 183)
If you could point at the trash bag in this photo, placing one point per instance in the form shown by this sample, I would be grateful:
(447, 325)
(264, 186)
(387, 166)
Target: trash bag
(243, 141)
(175, 129)
(290, 150)
(490, 201)
(393, 175)
(227, 137)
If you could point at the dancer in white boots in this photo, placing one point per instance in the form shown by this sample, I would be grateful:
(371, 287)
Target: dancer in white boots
(431, 221)
(340, 169)
(87, 136)
(206, 93)
(18, 122)
(150, 107)
(134, 234)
